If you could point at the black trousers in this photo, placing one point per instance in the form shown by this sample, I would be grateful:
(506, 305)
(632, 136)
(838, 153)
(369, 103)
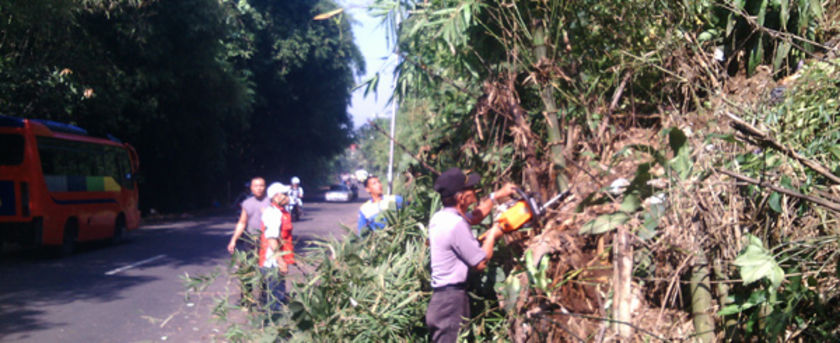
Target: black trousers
(448, 310)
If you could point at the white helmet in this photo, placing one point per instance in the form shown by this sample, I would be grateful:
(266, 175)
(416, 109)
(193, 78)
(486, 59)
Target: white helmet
(295, 180)
(277, 188)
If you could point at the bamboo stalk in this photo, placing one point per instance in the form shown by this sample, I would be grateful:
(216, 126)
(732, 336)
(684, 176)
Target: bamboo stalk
(623, 266)
(558, 162)
(701, 300)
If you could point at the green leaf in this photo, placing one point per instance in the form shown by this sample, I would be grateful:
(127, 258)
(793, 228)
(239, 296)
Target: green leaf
(775, 202)
(816, 8)
(782, 52)
(630, 203)
(756, 298)
(756, 56)
(784, 13)
(730, 309)
(756, 263)
(762, 13)
(542, 280)
(512, 288)
(676, 139)
(604, 223)
(682, 163)
(648, 228)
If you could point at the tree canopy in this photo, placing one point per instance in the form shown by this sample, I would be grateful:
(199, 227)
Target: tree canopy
(210, 92)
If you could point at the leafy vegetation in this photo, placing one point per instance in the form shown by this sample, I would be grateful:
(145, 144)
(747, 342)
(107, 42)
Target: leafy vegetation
(210, 92)
(698, 141)
(485, 79)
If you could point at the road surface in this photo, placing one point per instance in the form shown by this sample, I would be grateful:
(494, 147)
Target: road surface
(133, 292)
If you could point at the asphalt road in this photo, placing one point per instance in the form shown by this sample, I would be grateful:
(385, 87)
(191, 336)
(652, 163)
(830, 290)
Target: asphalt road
(133, 291)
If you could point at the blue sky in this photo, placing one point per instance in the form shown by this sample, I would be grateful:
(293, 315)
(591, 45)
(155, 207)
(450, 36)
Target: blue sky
(370, 37)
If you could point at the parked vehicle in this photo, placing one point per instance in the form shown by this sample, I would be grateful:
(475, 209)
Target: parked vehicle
(60, 186)
(339, 193)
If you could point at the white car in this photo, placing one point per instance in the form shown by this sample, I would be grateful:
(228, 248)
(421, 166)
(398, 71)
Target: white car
(339, 193)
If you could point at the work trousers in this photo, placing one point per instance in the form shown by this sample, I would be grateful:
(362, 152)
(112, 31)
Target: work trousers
(447, 312)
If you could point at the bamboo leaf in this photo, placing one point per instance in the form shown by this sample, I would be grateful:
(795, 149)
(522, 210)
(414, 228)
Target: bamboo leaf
(782, 52)
(784, 14)
(816, 8)
(756, 55)
(762, 12)
(512, 288)
(328, 15)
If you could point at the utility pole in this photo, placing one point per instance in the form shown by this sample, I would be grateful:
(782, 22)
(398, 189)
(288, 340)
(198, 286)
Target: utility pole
(394, 107)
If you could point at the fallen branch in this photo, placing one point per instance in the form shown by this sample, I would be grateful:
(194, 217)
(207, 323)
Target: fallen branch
(740, 125)
(432, 169)
(817, 200)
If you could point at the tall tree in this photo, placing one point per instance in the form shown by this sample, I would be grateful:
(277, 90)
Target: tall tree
(210, 92)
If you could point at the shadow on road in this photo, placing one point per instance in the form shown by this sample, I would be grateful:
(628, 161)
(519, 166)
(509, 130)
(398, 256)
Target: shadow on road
(33, 281)
(73, 299)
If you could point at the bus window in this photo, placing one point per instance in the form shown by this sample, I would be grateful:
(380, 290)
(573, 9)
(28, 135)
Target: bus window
(125, 173)
(11, 150)
(70, 166)
(118, 166)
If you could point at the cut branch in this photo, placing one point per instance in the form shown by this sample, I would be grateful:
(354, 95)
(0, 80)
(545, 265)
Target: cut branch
(740, 125)
(817, 200)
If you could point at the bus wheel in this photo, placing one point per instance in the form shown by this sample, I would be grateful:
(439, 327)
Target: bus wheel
(68, 242)
(119, 230)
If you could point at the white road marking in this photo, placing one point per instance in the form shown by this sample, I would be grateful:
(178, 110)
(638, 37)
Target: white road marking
(135, 264)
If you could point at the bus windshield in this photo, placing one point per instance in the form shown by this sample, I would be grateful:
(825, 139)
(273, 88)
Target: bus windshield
(11, 152)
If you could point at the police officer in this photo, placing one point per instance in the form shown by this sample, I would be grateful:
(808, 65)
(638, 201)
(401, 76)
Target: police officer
(455, 250)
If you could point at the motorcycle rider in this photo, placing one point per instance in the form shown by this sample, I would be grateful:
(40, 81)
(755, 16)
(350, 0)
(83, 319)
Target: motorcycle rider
(296, 197)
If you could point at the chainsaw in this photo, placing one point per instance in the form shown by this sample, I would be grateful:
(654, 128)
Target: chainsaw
(515, 214)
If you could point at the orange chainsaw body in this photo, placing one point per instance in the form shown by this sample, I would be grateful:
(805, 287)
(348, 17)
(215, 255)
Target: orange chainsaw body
(514, 217)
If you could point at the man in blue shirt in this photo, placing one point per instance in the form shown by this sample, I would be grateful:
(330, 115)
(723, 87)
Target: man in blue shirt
(369, 217)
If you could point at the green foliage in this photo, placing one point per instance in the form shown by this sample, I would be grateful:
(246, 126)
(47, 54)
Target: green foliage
(756, 263)
(806, 119)
(789, 298)
(373, 147)
(536, 272)
(210, 92)
(744, 29)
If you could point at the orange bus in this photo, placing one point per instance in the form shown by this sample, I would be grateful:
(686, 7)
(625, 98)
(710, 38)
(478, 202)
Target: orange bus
(60, 186)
